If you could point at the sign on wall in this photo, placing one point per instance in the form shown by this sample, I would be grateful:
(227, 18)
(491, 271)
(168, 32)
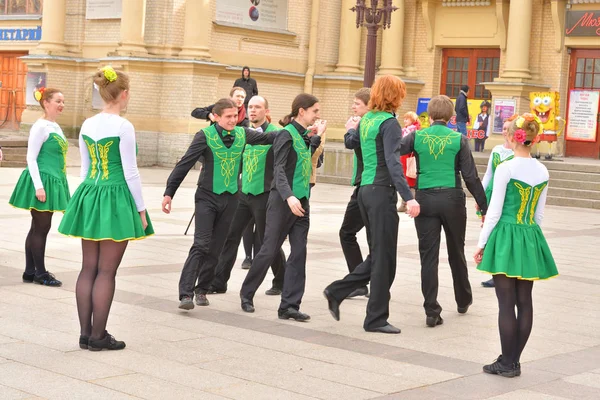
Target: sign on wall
(35, 80)
(582, 119)
(103, 9)
(269, 14)
(7, 34)
(503, 109)
(582, 23)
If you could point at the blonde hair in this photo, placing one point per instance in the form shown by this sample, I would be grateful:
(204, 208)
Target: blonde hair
(111, 90)
(412, 116)
(530, 126)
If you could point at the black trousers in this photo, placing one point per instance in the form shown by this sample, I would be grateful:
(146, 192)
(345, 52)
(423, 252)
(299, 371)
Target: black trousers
(280, 223)
(213, 218)
(378, 209)
(351, 225)
(444, 207)
(251, 210)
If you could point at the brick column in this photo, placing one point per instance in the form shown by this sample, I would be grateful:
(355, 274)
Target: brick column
(349, 51)
(53, 28)
(392, 43)
(132, 28)
(518, 41)
(198, 21)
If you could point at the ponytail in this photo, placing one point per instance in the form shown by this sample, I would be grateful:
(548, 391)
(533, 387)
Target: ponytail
(286, 120)
(304, 101)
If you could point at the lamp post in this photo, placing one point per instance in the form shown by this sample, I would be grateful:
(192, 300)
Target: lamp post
(371, 17)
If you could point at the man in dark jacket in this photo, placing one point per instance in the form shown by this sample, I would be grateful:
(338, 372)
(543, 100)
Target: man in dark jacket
(248, 84)
(462, 110)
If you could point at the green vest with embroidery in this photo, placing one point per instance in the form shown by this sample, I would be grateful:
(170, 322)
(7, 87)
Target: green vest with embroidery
(226, 167)
(52, 158)
(255, 163)
(437, 148)
(106, 167)
(520, 202)
(369, 133)
(301, 184)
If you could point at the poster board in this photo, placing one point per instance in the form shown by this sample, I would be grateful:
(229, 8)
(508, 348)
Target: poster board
(35, 80)
(582, 115)
(103, 9)
(257, 14)
(503, 109)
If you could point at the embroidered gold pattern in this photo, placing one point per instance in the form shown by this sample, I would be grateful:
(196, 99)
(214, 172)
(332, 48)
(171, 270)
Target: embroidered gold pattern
(228, 163)
(213, 140)
(436, 144)
(251, 157)
(367, 123)
(305, 156)
(536, 197)
(64, 145)
(104, 157)
(94, 160)
(525, 193)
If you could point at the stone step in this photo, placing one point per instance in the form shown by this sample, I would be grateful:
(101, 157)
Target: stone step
(13, 143)
(573, 193)
(14, 153)
(573, 202)
(573, 184)
(13, 164)
(575, 176)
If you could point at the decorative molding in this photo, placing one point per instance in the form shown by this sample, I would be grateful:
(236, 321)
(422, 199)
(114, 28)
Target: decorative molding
(558, 10)
(502, 10)
(429, 9)
(582, 1)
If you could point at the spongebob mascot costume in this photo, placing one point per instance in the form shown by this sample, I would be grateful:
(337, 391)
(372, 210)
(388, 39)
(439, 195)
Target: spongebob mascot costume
(546, 106)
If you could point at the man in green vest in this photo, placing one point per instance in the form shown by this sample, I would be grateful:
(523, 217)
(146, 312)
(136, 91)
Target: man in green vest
(288, 207)
(442, 156)
(378, 135)
(257, 176)
(220, 146)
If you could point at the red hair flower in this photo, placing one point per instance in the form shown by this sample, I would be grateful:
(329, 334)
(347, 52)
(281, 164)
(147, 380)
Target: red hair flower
(520, 136)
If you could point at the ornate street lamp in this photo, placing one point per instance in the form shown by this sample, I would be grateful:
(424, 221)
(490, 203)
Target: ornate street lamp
(371, 17)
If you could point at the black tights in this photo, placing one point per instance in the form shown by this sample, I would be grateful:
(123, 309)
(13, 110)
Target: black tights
(35, 244)
(96, 284)
(249, 239)
(514, 329)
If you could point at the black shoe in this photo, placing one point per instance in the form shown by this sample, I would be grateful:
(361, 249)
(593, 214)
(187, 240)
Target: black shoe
(186, 303)
(247, 263)
(292, 313)
(434, 321)
(363, 291)
(489, 283)
(28, 278)
(108, 342)
(201, 299)
(497, 368)
(214, 290)
(389, 328)
(83, 342)
(247, 306)
(332, 304)
(47, 279)
(463, 310)
(274, 291)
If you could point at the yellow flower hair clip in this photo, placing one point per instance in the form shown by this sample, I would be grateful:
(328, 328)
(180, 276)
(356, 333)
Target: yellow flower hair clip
(109, 73)
(520, 121)
(39, 92)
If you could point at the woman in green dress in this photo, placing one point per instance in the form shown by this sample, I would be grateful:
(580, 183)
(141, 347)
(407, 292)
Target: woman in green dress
(512, 246)
(42, 188)
(107, 210)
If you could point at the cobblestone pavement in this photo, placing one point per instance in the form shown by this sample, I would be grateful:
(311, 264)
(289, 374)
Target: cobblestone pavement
(220, 352)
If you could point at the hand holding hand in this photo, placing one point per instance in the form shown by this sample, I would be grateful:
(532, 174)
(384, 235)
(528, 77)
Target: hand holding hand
(40, 194)
(321, 126)
(295, 206)
(211, 117)
(166, 204)
(413, 208)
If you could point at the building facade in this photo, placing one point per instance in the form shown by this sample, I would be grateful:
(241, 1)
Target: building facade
(183, 54)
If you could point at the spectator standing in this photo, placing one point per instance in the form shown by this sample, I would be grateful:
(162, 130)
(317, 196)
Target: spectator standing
(248, 84)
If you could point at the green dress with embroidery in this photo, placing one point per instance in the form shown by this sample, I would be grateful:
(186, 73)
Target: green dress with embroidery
(52, 166)
(102, 207)
(516, 246)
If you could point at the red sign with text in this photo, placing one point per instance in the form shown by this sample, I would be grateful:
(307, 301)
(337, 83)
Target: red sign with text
(582, 23)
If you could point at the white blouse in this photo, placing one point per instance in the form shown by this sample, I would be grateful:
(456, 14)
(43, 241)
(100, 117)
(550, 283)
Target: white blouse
(504, 154)
(105, 125)
(527, 170)
(38, 134)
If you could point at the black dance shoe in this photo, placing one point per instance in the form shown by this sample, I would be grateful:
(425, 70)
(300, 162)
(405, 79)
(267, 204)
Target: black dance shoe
(497, 368)
(389, 328)
(434, 321)
(332, 304)
(247, 263)
(28, 278)
(108, 342)
(292, 313)
(83, 342)
(47, 279)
